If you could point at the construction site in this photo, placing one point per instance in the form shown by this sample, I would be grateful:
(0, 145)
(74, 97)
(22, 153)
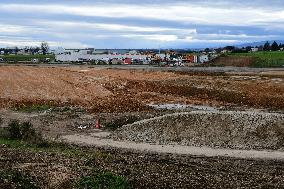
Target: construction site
(157, 128)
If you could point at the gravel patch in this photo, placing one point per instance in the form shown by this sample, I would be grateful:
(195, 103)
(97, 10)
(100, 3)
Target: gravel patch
(236, 130)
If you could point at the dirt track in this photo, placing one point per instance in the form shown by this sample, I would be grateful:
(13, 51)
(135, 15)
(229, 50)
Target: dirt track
(109, 90)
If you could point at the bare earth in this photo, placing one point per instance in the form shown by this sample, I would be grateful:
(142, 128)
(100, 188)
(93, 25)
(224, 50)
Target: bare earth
(79, 95)
(98, 139)
(110, 90)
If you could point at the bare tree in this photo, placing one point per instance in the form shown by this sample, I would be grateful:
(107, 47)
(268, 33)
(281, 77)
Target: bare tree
(44, 47)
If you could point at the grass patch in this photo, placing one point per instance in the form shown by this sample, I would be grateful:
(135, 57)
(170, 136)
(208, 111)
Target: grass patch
(264, 59)
(17, 58)
(54, 147)
(33, 108)
(16, 179)
(103, 180)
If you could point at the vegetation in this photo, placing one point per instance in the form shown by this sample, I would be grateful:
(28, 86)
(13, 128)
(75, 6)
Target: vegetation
(17, 180)
(17, 58)
(33, 108)
(44, 47)
(264, 59)
(23, 131)
(11, 178)
(103, 180)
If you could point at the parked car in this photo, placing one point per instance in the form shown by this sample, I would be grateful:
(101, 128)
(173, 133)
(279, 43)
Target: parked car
(35, 60)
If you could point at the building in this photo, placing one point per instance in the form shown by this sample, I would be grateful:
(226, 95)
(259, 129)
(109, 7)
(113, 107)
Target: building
(79, 55)
(203, 58)
(254, 49)
(190, 58)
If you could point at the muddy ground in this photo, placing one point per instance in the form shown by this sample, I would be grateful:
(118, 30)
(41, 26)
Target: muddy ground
(77, 96)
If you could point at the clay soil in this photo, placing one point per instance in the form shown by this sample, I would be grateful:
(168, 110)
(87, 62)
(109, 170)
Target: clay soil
(116, 90)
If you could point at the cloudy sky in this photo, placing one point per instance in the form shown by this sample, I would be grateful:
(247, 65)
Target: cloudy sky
(139, 24)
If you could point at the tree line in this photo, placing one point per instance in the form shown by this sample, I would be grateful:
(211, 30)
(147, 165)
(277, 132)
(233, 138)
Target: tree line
(43, 48)
(266, 47)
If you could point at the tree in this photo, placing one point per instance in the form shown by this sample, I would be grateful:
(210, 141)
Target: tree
(275, 46)
(266, 46)
(44, 47)
(230, 48)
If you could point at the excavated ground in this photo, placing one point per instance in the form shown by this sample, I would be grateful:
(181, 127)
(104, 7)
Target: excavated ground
(79, 95)
(110, 90)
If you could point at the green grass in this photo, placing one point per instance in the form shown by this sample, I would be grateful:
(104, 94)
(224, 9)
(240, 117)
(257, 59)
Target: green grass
(264, 59)
(54, 147)
(103, 180)
(17, 58)
(33, 108)
(265, 55)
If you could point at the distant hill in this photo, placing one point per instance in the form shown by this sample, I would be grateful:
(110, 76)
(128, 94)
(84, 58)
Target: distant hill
(253, 44)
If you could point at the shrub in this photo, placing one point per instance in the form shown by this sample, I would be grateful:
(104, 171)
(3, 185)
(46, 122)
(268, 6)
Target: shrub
(23, 131)
(103, 181)
(14, 129)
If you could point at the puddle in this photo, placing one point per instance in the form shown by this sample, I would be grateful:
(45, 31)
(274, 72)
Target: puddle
(181, 107)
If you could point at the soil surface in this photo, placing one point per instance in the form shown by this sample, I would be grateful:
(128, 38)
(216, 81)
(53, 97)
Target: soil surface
(143, 170)
(79, 95)
(117, 90)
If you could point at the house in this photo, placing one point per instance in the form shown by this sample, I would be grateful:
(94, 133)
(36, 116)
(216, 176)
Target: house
(203, 58)
(254, 49)
(116, 61)
(191, 58)
(128, 61)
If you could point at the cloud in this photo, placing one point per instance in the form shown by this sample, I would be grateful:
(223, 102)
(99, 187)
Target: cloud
(109, 23)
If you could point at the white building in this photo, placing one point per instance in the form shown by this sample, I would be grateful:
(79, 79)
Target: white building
(254, 49)
(203, 58)
(79, 55)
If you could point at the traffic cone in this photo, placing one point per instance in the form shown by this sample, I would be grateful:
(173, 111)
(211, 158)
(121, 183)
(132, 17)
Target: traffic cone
(98, 124)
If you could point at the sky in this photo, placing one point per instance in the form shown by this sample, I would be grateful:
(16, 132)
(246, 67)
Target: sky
(139, 24)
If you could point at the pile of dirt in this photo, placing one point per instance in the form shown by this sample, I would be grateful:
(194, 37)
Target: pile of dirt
(237, 130)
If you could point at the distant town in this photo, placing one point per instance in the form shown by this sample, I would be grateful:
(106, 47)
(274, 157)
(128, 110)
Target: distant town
(161, 57)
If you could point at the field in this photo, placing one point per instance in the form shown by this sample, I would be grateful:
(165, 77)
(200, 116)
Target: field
(159, 129)
(264, 59)
(26, 58)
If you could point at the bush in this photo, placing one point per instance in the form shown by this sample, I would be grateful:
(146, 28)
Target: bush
(23, 131)
(14, 129)
(103, 181)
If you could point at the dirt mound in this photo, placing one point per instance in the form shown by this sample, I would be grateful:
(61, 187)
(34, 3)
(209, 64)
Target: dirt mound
(238, 130)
